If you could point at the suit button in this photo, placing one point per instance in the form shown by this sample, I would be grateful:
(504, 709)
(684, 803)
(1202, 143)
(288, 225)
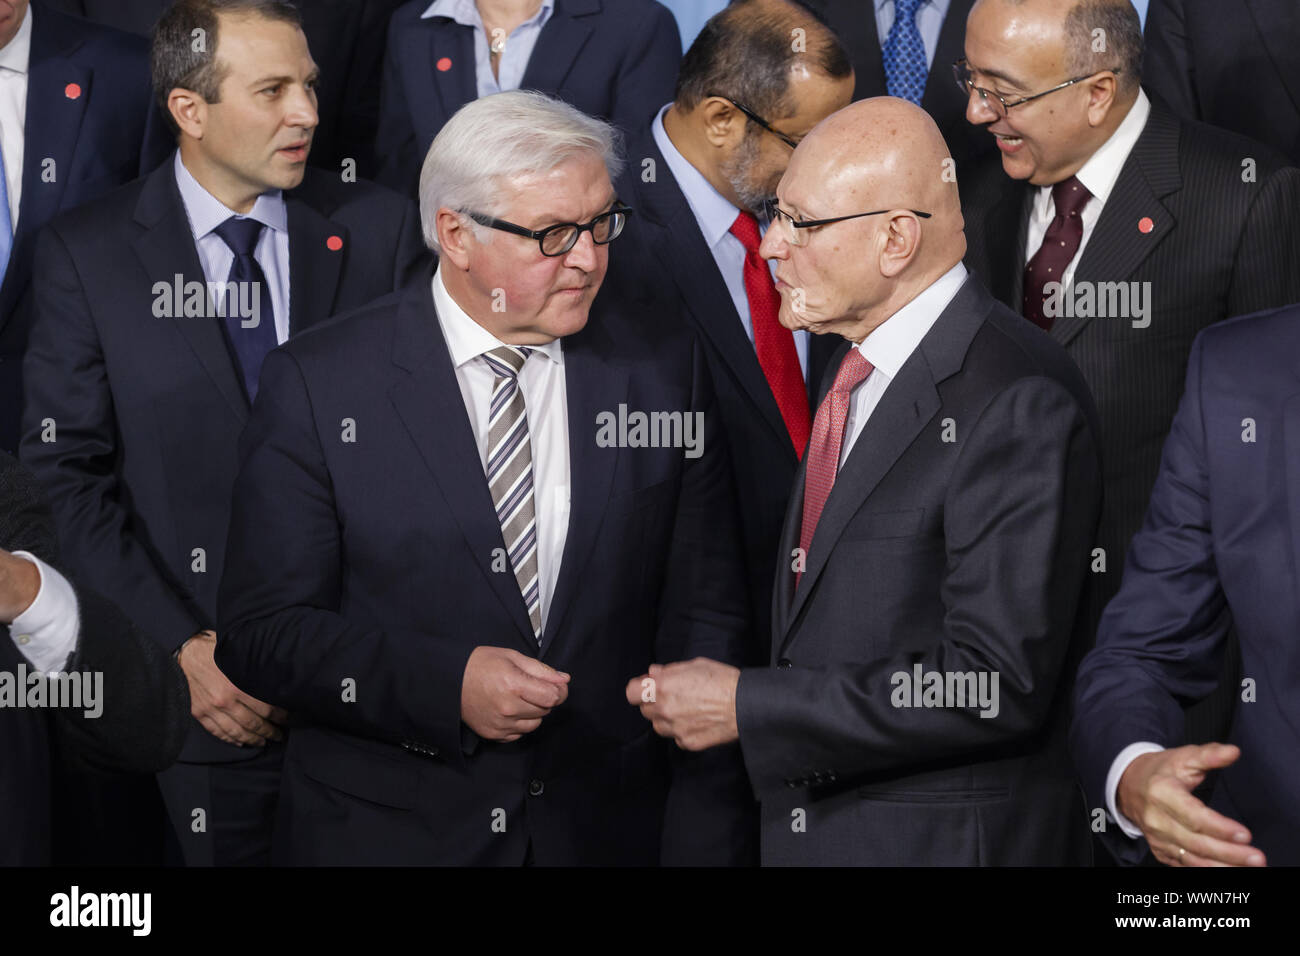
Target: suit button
(784, 663)
(433, 751)
(792, 784)
(830, 775)
(535, 788)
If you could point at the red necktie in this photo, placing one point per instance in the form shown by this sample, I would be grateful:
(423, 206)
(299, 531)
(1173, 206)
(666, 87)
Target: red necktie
(773, 342)
(827, 438)
(1060, 243)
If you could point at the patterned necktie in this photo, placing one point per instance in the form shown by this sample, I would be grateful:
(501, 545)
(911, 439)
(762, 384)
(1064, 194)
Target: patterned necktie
(1060, 243)
(773, 342)
(904, 53)
(6, 222)
(510, 474)
(251, 344)
(827, 438)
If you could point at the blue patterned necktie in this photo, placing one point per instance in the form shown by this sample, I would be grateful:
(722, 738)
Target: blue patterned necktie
(904, 53)
(6, 223)
(251, 344)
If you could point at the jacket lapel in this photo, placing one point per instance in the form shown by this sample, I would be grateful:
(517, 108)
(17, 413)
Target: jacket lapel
(451, 88)
(855, 21)
(558, 45)
(314, 267)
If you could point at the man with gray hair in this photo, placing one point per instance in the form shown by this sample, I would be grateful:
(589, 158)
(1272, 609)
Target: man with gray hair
(467, 513)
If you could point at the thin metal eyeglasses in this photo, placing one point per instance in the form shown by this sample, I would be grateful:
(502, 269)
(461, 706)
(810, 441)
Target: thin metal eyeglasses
(790, 226)
(792, 143)
(962, 74)
(558, 239)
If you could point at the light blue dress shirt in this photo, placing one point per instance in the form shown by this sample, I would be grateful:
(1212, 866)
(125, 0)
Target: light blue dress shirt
(715, 214)
(691, 15)
(519, 45)
(929, 21)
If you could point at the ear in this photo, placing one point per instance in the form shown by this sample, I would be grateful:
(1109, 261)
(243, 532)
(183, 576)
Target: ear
(902, 240)
(1102, 91)
(189, 110)
(454, 237)
(723, 124)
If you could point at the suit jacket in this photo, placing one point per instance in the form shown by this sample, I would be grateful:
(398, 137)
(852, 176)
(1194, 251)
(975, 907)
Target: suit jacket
(373, 561)
(854, 21)
(147, 411)
(1218, 246)
(106, 135)
(1231, 63)
(661, 260)
(955, 540)
(1219, 548)
(615, 59)
(145, 699)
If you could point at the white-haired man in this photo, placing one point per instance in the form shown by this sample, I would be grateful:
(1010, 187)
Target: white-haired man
(455, 537)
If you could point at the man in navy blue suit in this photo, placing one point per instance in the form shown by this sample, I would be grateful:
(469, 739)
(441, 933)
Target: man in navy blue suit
(615, 59)
(1220, 548)
(467, 514)
(76, 120)
(155, 308)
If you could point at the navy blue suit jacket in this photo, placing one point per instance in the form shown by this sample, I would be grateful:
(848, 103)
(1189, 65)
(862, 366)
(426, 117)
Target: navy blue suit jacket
(146, 411)
(371, 561)
(1220, 548)
(90, 112)
(616, 59)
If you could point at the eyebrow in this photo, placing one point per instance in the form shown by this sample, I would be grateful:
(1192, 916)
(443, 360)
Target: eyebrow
(555, 220)
(314, 75)
(1011, 80)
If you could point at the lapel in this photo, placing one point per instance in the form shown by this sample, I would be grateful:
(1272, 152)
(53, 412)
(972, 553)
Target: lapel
(950, 49)
(855, 22)
(1117, 247)
(450, 89)
(314, 268)
(908, 404)
(1291, 428)
(558, 44)
(429, 402)
(166, 249)
(1272, 19)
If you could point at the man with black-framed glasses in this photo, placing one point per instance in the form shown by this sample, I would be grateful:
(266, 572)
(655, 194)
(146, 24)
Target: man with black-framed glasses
(1122, 230)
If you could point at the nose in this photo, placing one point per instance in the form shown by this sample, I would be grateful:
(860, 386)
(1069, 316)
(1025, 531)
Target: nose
(302, 109)
(583, 255)
(979, 111)
(773, 245)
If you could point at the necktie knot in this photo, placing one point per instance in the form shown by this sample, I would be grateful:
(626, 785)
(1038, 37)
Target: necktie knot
(853, 371)
(240, 234)
(1070, 196)
(508, 360)
(745, 228)
(906, 8)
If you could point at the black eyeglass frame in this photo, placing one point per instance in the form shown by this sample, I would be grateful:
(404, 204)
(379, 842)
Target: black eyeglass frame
(967, 86)
(793, 144)
(540, 235)
(774, 212)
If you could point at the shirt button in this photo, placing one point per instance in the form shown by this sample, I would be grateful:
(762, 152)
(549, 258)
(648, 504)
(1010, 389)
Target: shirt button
(535, 788)
(24, 638)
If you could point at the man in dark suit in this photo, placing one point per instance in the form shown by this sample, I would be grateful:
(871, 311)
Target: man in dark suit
(906, 48)
(454, 537)
(614, 59)
(1220, 548)
(76, 121)
(1119, 228)
(138, 383)
(130, 719)
(691, 248)
(935, 547)
(1232, 63)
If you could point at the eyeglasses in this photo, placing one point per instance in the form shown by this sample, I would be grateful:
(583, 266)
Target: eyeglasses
(792, 143)
(962, 74)
(790, 227)
(558, 239)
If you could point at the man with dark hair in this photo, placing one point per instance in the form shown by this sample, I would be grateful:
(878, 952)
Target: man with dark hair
(155, 309)
(698, 179)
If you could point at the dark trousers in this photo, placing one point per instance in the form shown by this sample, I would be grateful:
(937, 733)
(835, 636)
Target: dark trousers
(223, 814)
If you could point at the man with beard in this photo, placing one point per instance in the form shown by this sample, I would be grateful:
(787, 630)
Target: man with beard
(698, 178)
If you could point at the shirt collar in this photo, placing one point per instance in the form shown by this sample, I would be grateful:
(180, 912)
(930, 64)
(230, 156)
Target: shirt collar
(206, 211)
(17, 53)
(465, 12)
(1099, 173)
(466, 339)
(893, 341)
(713, 211)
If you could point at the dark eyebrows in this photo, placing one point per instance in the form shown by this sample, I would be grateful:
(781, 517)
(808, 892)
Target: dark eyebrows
(553, 220)
(995, 74)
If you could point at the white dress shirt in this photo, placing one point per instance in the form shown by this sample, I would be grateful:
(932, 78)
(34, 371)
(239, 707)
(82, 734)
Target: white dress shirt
(46, 633)
(14, 59)
(891, 344)
(547, 408)
(1098, 176)
(205, 212)
(514, 58)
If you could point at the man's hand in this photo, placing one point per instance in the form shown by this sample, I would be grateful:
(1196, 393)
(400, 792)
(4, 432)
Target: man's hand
(20, 582)
(223, 709)
(693, 702)
(505, 694)
(1155, 793)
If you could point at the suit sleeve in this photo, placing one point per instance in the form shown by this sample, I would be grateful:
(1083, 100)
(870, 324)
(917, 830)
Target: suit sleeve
(1162, 638)
(648, 76)
(1167, 66)
(282, 638)
(1019, 518)
(1266, 268)
(67, 389)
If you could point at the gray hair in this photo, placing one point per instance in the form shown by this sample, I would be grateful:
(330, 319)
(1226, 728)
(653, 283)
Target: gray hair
(496, 138)
(1121, 31)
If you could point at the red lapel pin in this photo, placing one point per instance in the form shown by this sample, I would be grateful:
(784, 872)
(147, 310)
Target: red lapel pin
(335, 243)
(444, 64)
(1145, 224)
(72, 91)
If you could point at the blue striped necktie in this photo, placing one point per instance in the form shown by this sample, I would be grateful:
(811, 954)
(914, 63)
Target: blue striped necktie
(904, 54)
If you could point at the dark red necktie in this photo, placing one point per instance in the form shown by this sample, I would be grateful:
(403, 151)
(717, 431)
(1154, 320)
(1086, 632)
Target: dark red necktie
(773, 342)
(1060, 243)
(827, 439)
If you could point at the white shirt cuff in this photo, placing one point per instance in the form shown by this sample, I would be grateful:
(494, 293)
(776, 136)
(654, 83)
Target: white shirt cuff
(1117, 768)
(46, 633)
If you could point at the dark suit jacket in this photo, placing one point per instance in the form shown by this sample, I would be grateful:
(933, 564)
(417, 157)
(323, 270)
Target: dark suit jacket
(148, 410)
(966, 555)
(661, 260)
(616, 59)
(855, 23)
(145, 698)
(1232, 63)
(372, 561)
(1218, 246)
(1219, 549)
(107, 135)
